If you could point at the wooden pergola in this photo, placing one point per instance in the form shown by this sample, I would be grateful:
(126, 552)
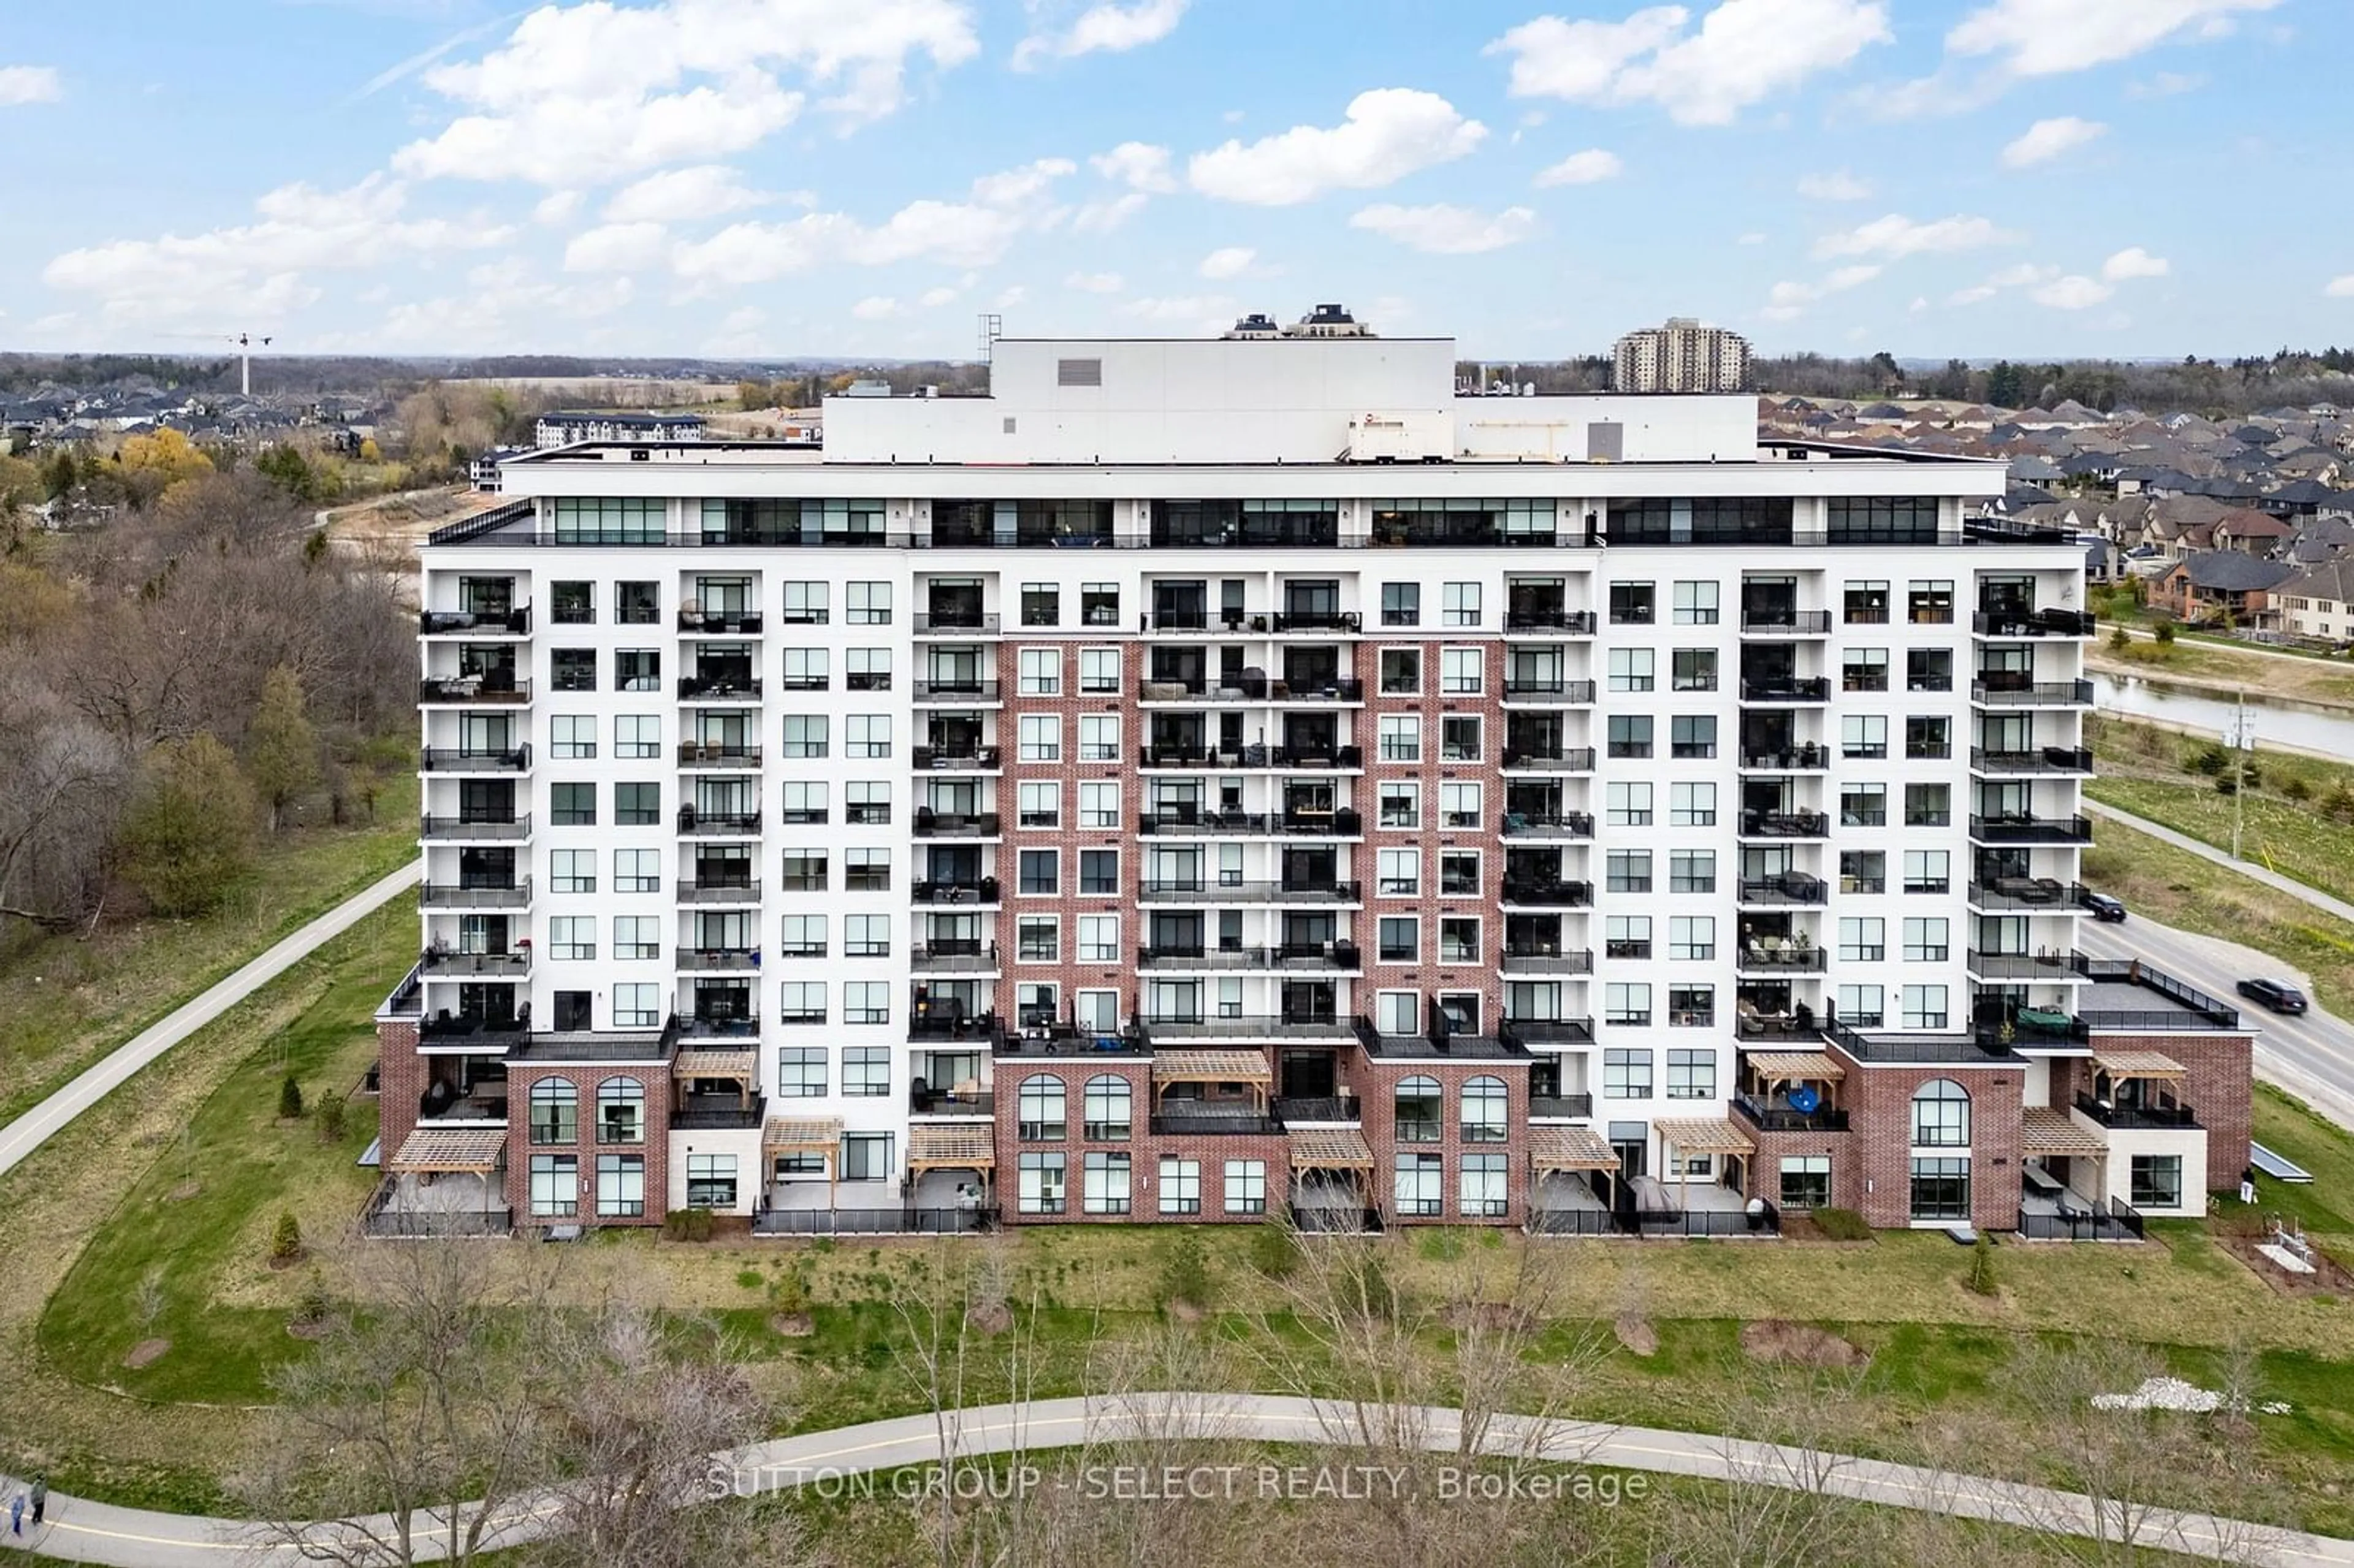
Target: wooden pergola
(450, 1150)
(1553, 1148)
(1247, 1069)
(741, 1068)
(818, 1135)
(2047, 1133)
(1341, 1149)
(1771, 1069)
(1682, 1136)
(2160, 1076)
(953, 1146)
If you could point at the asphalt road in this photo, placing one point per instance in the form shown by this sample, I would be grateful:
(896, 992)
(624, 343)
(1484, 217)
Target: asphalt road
(90, 1532)
(2311, 1056)
(39, 1125)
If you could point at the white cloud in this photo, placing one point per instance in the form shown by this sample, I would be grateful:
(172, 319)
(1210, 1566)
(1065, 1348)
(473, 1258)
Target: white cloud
(1839, 185)
(1009, 297)
(2339, 288)
(30, 84)
(1751, 238)
(1138, 164)
(2073, 292)
(1590, 167)
(590, 92)
(2023, 275)
(1743, 52)
(258, 271)
(1200, 312)
(557, 207)
(875, 308)
(2051, 38)
(1785, 301)
(933, 299)
(1103, 216)
(2047, 139)
(504, 307)
(619, 248)
(1095, 282)
(1111, 28)
(1443, 230)
(685, 196)
(1388, 133)
(1227, 262)
(2134, 262)
(2165, 84)
(1896, 236)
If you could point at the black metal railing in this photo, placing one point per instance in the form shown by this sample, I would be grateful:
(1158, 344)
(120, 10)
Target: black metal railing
(1784, 960)
(2005, 693)
(721, 623)
(1549, 759)
(1279, 956)
(1766, 622)
(1573, 895)
(1549, 688)
(1558, 1106)
(1790, 887)
(1248, 1027)
(955, 691)
(2029, 829)
(510, 894)
(908, 1221)
(1577, 621)
(932, 824)
(1545, 1033)
(2015, 966)
(1201, 891)
(693, 820)
(492, 966)
(2134, 972)
(1179, 1124)
(2110, 1221)
(1791, 689)
(1292, 1108)
(1785, 825)
(719, 688)
(1787, 759)
(2027, 892)
(467, 759)
(2046, 759)
(727, 890)
(986, 890)
(1543, 824)
(1767, 1117)
(478, 828)
(1548, 961)
(962, 758)
(953, 623)
(485, 623)
(714, 754)
(2034, 623)
(2109, 1112)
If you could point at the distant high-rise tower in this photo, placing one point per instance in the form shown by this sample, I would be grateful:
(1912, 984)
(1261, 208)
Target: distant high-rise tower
(1681, 356)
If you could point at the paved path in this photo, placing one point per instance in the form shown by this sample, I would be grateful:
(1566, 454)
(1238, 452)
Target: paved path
(91, 1532)
(2204, 850)
(43, 1122)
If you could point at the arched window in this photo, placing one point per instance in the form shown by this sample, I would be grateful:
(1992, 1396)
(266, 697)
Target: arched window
(1483, 1110)
(621, 1111)
(1042, 1114)
(1107, 1107)
(1421, 1108)
(555, 1111)
(1941, 1115)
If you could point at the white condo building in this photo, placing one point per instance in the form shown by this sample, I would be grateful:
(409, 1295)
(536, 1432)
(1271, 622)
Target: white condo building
(1204, 777)
(1683, 356)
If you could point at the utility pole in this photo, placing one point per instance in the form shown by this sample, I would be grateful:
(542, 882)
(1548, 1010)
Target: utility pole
(2242, 742)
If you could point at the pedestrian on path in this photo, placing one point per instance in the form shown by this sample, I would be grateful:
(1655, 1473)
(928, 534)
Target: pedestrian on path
(40, 1498)
(17, 1514)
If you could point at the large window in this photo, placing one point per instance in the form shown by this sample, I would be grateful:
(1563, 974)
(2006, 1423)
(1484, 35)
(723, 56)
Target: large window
(1042, 1117)
(710, 1181)
(608, 519)
(1626, 1003)
(1421, 1107)
(1626, 1074)
(621, 1186)
(1181, 1186)
(555, 1186)
(1246, 1186)
(1696, 604)
(1806, 1182)
(1484, 1105)
(1941, 1115)
(1941, 1190)
(621, 1111)
(1925, 1007)
(1421, 1184)
(1106, 1189)
(2157, 1182)
(1691, 1075)
(555, 1111)
(866, 1071)
(1482, 1179)
(801, 1072)
(1041, 1178)
(1105, 1109)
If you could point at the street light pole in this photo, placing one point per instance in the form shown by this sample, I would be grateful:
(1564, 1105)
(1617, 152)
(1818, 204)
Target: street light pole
(2240, 748)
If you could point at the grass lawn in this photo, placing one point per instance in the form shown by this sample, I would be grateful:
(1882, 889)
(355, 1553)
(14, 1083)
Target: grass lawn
(2191, 657)
(2180, 889)
(64, 1002)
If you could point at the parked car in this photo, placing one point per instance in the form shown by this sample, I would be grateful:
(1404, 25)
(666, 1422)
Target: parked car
(2278, 995)
(2104, 907)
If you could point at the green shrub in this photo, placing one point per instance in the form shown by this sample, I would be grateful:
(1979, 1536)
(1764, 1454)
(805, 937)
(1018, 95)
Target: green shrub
(1841, 1224)
(687, 1224)
(1185, 1270)
(1273, 1251)
(331, 1118)
(1980, 1279)
(2297, 789)
(788, 1293)
(2165, 634)
(286, 1241)
(2119, 639)
(289, 1099)
(2211, 760)
(750, 1279)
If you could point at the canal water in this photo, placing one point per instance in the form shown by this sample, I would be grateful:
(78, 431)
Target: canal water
(2295, 726)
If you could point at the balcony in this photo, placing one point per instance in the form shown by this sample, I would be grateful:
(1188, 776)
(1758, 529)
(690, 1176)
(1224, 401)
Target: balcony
(469, 623)
(466, 759)
(959, 760)
(1247, 1027)
(1789, 888)
(1232, 623)
(1780, 958)
(1333, 958)
(970, 956)
(1553, 760)
(1548, 961)
(2022, 828)
(1575, 622)
(954, 693)
(443, 690)
(2054, 966)
(1560, 1107)
(1190, 757)
(2046, 894)
(1196, 891)
(476, 895)
(952, 893)
(725, 891)
(447, 1102)
(1762, 621)
(1783, 1118)
(1548, 1033)
(724, 960)
(955, 623)
(2007, 693)
(1548, 825)
(720, 623)
(727, 1112)
(1540, 895)
(1785, 825)
(700, 755)
(932, 824)
(2137, 1119)
(1341, 1109)
(699, 824)
(1808, 758)
(443, 963)
(2060, 759)
(1344, 620)
(717, 689)
(1547, 689)
(476, 830)
(737, 1027)
(2034, 623)
(1791, 690)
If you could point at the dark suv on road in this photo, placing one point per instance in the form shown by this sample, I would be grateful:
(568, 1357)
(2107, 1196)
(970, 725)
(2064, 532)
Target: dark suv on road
(2278, 995)
(2104, 907)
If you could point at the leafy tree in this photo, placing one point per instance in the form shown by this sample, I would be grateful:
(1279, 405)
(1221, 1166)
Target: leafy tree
(290, 1098)
(2165, 634)
(281, 749)
(286, 1238)
(60, 474)
(167, 454)
(291, 472)
(370, 451)
(2005, 385)
(331, 1118)
(189, 836)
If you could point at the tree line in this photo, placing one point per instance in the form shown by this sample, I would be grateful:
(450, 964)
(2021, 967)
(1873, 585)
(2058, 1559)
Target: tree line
(2214, 388)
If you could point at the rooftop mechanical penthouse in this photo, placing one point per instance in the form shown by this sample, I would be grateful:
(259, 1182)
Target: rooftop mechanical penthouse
(1205, 779)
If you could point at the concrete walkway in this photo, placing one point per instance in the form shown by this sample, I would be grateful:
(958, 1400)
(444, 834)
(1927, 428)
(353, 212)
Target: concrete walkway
(2288, 884)
(43, 1122)
(91, 1532)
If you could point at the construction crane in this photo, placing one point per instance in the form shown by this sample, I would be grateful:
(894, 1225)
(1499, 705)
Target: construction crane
(242, 341)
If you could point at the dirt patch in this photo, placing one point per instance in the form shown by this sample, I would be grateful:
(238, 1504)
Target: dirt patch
(1775, 1340)
(307, 1327)
(281, 1265)
(992, 1317)
(1637, 1335)
(183, 1192)
(791, 1324)
(1493, 1315)
(146, 1353)
(2328, 1277)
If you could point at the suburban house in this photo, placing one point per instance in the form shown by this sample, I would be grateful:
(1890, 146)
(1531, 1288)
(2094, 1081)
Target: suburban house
(2319, 601)
(2213, 584)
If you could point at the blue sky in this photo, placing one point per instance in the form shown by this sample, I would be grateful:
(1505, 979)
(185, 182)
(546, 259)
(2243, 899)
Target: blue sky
(764, 177)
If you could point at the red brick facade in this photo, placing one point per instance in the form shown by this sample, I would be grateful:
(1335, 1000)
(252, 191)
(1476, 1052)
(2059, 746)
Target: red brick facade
(1377, 1082)
(1144, 1148)
(1880, 1108)
(653, 1077)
